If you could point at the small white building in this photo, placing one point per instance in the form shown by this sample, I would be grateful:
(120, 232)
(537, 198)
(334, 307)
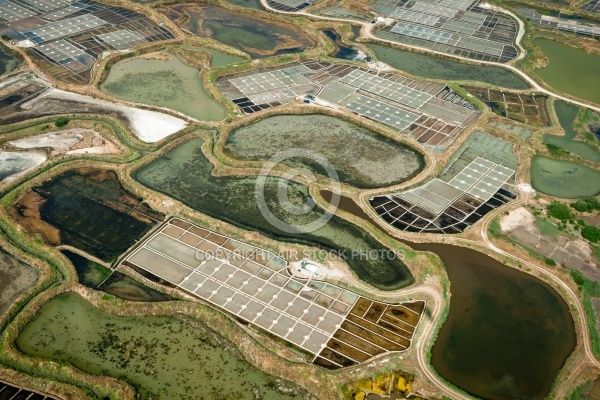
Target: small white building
(309, 268)
(380, 21)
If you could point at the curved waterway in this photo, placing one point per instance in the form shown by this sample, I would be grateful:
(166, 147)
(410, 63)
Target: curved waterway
(185, 174)
(507, 334)
(342, 51)
(567, 113)
(361, 157)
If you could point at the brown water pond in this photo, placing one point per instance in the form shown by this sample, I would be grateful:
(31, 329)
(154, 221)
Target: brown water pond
(507, 334)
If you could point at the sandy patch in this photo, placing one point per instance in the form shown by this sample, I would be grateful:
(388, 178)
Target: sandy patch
(68, 141)
(379, 66)
(94, 143)
(335, 272)
(525, 188)
(57, 142)
(156, 56)
(37, 149)
(95, 150)
(516, 218)
(520, 226)
(148, 126)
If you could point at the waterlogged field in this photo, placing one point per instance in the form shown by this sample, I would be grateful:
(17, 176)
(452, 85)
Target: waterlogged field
(166, 82)
(254, 36)
(566, 115)
(8, 62)
(361, 157)
(570, 70)
(565, 179)
(438, 68)
(15, 278)
(185, 174)
(87, 209)
(164, 358)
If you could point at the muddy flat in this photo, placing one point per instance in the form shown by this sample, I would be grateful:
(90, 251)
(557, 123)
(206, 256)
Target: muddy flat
(68, 141)
(15, 278)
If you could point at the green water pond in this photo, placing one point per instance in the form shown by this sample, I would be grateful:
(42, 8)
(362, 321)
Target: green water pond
(570, 70)
(257, 37)
(164, 358)
(218, 58)
(362, 158)
(507, 334)
(564, 179)
(166, 83)
(566, 115)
